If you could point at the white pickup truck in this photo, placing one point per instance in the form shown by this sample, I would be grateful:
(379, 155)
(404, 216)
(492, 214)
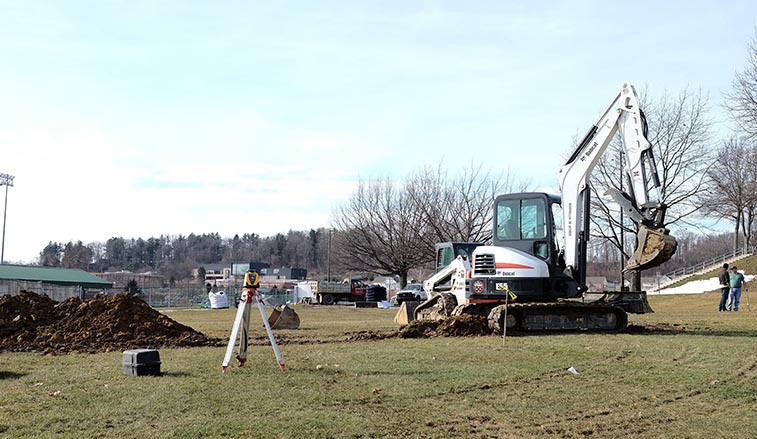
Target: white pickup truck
(411, 293)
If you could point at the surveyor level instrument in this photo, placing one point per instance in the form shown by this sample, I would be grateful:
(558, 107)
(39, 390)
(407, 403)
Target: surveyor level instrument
(242, 321)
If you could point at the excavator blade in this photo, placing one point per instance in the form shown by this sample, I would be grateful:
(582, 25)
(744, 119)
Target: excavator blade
(655, 246)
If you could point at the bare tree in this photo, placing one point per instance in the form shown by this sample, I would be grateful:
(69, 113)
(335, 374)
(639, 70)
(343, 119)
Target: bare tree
(734, 187)
(679, 131)
(457, 208)
(390, 228)
(741, 101)
(98, 254)
(378, 231)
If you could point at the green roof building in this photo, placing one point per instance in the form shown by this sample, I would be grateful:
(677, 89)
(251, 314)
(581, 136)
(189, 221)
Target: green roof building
(57, 283)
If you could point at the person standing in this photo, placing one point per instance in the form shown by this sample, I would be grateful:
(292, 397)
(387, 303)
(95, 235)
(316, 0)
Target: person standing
(725, 286)
(737, 282)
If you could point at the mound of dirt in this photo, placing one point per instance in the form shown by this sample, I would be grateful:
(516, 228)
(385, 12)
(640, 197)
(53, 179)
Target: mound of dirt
(458, 326)
(33, 323)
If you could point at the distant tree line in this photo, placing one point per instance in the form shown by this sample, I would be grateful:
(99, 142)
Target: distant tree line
(308, 250)
(175, 257)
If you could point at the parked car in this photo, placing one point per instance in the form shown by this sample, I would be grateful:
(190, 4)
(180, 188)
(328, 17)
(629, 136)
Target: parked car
(411, 292)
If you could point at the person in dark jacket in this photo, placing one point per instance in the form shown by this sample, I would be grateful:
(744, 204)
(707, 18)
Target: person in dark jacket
(725, 286)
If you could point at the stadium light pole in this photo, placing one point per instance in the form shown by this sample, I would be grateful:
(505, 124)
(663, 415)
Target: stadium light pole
(5, 180)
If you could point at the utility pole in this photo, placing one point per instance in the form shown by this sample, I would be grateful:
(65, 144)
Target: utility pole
(328, 276)
(5, 180)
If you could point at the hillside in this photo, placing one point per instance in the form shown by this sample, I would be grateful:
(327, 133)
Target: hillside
(747, 265)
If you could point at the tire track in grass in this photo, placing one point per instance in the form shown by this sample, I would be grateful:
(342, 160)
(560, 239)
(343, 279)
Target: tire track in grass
(749, 369)
(620, 419)
(633, 417)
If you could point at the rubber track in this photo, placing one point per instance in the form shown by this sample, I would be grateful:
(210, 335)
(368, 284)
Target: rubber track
(579, 316)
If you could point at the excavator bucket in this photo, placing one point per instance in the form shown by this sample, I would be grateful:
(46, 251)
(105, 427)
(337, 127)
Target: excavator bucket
(283, 317)
(655, 246)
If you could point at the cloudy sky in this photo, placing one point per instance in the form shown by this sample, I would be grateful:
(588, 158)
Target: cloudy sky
(140, 118)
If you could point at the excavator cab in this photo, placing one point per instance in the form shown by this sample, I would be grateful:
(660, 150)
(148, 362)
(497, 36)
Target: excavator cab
(531, 223)
(527, 222)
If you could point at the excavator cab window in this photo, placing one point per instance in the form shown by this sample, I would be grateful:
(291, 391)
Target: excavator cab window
(508, 220)
(533, 220)
(558, 230)
(521, 219)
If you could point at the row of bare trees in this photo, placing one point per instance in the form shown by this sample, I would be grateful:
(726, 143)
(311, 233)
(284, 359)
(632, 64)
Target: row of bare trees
(734, 174)
(390, 228)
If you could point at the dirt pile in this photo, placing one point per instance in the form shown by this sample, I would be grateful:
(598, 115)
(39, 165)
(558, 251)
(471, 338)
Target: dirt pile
(33, 323)
(458, 326)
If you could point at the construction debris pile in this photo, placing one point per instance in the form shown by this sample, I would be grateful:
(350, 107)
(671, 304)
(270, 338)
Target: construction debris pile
(33, 323)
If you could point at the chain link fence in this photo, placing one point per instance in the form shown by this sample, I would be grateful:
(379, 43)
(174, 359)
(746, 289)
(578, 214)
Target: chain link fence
(196, 296)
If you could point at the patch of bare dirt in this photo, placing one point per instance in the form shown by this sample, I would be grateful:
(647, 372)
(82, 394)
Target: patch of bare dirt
(459, 326)
(369, 335)
(30, 322)
(654, 328)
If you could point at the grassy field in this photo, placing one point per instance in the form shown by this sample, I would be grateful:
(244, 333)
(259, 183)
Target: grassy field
(685, 371)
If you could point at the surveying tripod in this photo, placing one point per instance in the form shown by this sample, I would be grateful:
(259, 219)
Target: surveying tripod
(249, 296)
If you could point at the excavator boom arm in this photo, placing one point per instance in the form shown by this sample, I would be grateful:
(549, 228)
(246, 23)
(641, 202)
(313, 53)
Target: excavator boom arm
(654, 246)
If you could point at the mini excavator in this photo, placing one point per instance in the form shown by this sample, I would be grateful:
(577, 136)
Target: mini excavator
(535, 268)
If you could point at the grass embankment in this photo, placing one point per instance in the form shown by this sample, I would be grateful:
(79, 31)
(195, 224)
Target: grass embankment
(690, 374)
(748, 265)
